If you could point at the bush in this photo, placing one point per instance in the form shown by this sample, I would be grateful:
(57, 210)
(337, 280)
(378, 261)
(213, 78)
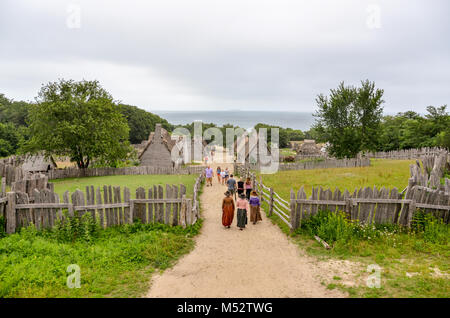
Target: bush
(74, 228)
(336, 227)
(2, 227)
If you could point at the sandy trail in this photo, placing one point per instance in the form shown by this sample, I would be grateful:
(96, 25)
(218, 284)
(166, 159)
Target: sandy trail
(259, 261)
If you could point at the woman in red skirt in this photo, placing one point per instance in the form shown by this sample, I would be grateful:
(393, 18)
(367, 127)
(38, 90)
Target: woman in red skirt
(227, 210)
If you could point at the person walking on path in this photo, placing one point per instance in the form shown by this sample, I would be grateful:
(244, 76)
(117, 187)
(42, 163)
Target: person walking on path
(242, 209)
(231, 183)
(222, 176)
(240, 187)
(227, 174)
(255, 208)
(227, 210)
(209, 174)
(218, 174)
(248, 188)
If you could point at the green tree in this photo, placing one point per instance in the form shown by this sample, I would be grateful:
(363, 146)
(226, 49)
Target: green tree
(14, 112)
(80, 120)
(141, 123)
(283, 135)
(9, 139)
(349, 119)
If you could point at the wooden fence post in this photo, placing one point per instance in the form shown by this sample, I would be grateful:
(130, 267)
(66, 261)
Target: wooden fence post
(11, 213)
(3, 188)
(293, 216)
(183, 212)
(411, 210)
(271, 202)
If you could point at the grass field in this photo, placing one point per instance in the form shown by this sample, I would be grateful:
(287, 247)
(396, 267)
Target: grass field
(117, 262)
(387, 173)
(132, 182)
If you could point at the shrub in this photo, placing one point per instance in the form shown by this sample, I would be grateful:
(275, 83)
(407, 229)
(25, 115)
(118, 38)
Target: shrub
(436, 231)
(84, 228)
(2, 227)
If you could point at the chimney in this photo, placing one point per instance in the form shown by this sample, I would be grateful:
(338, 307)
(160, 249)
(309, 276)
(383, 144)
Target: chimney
(158, 132)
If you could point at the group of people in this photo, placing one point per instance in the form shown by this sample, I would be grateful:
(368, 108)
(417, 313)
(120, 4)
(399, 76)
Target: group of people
(246, 200)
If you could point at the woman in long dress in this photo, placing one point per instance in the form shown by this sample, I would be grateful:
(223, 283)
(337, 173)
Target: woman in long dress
(242, 209)
(255, 208)
(227, 209)
(248, 188)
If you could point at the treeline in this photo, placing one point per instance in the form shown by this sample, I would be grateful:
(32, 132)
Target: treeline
(351, 120)
(411, 130)
(14, 124)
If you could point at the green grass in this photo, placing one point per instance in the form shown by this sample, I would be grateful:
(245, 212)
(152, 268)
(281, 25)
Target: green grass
(131, 181)
(397, 251)
(387, 173)
(397, 254)
(287, 152)
(117, 263)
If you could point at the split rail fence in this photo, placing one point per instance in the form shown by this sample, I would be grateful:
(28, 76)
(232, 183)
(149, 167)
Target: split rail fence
(366, 205)
(109, 207)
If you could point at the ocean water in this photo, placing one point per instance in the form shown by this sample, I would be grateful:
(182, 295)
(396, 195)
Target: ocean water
(244, 119)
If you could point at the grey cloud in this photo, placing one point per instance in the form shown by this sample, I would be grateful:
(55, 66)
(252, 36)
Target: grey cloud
(263, 55)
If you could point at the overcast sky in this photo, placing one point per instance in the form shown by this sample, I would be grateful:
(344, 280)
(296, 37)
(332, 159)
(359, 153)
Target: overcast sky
(218, 55)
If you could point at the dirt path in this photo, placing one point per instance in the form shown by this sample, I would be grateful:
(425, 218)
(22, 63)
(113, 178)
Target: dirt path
(259, 261)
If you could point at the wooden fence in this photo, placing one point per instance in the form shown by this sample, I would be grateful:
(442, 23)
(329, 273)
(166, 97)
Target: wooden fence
(309, 165)
(431, 171)
(11, 173)
(35, 181)
(407, 153)
(366, 205)
(110, 208)
(324, 164)
(99, 172)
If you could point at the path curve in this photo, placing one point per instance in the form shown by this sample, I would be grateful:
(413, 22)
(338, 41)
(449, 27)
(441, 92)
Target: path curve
(259, 261)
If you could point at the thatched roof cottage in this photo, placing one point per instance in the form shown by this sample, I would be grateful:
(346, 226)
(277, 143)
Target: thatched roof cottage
(38, 163)
(157, 151)
(309, 148)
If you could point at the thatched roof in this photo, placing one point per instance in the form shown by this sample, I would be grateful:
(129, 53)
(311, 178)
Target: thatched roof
(309, 147)
(38, 163)
(163, 134)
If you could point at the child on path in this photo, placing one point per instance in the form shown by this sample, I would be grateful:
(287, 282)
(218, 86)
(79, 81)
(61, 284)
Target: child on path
(227, 174)
(227, 210)
(255, 208)
(222, 176)
(218, 174)
(242, 208)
